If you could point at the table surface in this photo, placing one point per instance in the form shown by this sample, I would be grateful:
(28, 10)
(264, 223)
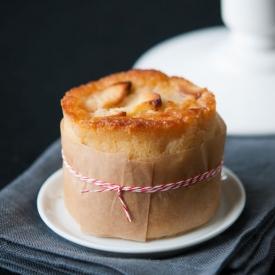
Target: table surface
(48, 48)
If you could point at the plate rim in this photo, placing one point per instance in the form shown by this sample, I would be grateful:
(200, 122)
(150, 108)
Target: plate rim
(232, 217)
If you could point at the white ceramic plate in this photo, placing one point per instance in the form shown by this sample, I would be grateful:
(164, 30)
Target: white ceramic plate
(53, 212)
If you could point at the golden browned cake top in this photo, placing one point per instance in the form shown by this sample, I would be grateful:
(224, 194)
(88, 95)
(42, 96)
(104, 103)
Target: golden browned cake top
(137, 99)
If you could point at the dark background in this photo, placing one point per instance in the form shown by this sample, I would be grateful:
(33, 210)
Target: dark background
(48, 47)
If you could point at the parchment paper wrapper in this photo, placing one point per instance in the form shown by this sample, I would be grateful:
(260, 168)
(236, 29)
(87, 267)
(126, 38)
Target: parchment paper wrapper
(153, 215)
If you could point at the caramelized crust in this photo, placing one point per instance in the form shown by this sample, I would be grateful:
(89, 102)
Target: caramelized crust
(140, 108)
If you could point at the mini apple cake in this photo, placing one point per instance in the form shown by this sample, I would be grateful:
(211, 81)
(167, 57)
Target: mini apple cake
(141, 128)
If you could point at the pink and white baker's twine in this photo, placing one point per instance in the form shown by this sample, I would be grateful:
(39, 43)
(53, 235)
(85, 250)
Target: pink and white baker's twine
(144, 189)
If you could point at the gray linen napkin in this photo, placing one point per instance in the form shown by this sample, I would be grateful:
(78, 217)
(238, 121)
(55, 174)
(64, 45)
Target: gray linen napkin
(28, 246)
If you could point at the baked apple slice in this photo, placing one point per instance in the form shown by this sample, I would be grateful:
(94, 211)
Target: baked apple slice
(148, 100)
(109, 97)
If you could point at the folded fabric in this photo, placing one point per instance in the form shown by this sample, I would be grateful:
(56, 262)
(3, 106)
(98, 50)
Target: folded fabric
(28, 246)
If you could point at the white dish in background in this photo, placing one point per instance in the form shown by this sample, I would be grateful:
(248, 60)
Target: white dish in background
(53, 212)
